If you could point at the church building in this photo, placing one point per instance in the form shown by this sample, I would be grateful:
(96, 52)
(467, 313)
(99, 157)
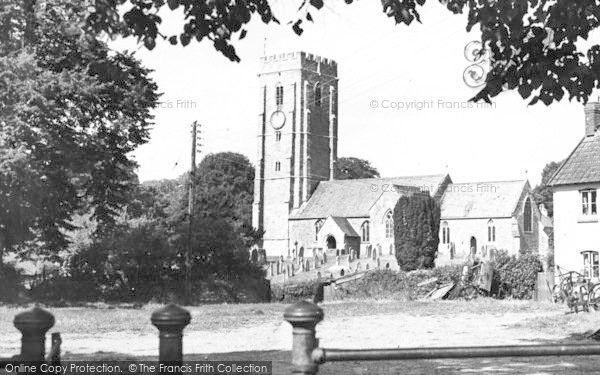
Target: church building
(301, 207)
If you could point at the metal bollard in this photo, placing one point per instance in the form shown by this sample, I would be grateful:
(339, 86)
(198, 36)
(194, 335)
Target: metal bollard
(33, 325)
(170, 321)
(304, 317)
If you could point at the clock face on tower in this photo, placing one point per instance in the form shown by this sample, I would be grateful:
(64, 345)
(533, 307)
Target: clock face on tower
(277, 120)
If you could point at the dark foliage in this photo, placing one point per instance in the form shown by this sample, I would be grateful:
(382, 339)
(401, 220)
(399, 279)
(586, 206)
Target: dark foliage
(386, 284)
(416, 231)
(11, 288)
(532, 43)
(298, 291)
(515, 277)
(348, 168)
(71, 113)
(543, 193)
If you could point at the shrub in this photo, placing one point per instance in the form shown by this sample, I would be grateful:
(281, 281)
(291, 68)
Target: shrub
(515, 277)
(298, 291)
(416, 231)
(10, 284)
(386, 284)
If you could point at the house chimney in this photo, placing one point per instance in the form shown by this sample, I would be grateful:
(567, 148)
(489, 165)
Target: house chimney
(592, 118)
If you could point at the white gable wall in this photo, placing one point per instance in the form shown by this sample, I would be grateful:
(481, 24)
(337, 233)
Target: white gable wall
(572, 235)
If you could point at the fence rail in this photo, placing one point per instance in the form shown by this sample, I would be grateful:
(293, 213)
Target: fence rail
(35, 323)
(307, 356)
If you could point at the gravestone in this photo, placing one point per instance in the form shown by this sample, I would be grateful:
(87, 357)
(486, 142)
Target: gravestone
(307, 266)
(342, 272)
(319, 275)
(367, 266)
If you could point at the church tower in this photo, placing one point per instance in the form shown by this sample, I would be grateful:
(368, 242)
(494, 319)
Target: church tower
(297, 140)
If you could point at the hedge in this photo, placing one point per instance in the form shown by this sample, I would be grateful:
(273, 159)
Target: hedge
(298, 291)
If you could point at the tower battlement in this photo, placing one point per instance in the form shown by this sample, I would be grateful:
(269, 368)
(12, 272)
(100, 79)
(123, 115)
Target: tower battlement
(298, 60)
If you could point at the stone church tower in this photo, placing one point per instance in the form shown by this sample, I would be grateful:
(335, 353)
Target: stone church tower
(297, 140)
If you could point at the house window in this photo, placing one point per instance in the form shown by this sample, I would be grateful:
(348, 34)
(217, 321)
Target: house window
(491, 231)
(591, 264)
(389, 225)
(365, 231)
(279, 95)
(528, 216)
(589, 205)
(445, 233)
(277, 136)
(318, 225)
(318, 94)
(277, 166)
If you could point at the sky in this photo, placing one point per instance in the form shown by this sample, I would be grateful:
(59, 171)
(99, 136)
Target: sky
(418, 70)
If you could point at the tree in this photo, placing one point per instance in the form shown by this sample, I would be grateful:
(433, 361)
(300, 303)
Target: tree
(416, 231)
(352, 168)
(543, 192)
(71, 112)
(532, 43)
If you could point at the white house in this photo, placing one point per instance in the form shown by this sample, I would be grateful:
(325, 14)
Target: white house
(575, 186)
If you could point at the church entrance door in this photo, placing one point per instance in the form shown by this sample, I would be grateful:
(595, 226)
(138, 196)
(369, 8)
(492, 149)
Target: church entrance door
(331, 243)
(473, 245)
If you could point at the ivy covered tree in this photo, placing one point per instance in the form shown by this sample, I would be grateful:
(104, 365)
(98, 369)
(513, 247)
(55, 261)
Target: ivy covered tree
(71, 112)
(532, 42)
(543, 193)
(347, 168)
(416, 231)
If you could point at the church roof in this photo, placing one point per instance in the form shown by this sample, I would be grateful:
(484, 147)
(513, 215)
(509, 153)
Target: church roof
(344, 226)
(482, 199)
(354, 198)
(582, 166)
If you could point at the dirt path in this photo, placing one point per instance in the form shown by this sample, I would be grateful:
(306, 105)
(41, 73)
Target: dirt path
(373, 331)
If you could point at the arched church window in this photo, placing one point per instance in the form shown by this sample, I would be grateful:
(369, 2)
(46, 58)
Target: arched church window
(279, 95)
(277, 166)
(318, 225)
(277, 136)
(389, 225)
(445, 233)
(365, 231)
(318, 94)
(528, 216)
(491, 231)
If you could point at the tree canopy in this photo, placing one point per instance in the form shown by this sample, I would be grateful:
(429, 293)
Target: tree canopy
(416, 231)
(532, 43)
(71, 111)
(347, 168)
(543, 193)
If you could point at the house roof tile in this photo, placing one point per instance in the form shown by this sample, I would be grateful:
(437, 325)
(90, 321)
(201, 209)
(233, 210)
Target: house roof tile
(582, 166)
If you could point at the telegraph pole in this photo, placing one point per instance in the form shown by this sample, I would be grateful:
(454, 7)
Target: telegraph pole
(188, 254)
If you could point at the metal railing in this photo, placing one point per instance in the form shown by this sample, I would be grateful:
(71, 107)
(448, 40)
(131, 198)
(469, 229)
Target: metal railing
(35, 323)
(307, 356)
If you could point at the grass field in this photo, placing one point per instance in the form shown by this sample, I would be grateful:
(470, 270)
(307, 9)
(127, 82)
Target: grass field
(527, 320)
(102, 318)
